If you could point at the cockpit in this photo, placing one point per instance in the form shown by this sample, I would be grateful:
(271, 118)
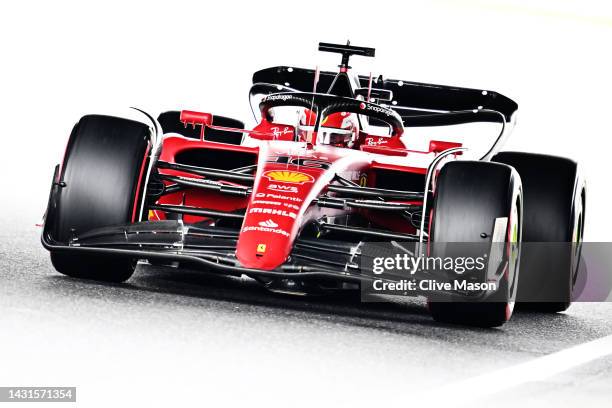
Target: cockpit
(322, 119)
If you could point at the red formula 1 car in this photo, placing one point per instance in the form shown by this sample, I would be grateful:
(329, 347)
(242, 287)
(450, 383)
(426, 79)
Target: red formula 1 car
(334, 162)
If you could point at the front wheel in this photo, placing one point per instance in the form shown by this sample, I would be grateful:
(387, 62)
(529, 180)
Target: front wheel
(478, 205)
(101, 184)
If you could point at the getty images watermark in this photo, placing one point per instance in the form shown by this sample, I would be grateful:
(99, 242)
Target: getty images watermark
(451, 271)
(408, 269)
(405, 264)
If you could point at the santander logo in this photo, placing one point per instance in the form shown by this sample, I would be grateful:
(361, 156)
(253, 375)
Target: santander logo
(268, 224)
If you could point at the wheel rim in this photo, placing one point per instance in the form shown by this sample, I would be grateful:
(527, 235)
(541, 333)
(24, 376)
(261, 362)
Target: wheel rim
(514, 240)
(577, 239)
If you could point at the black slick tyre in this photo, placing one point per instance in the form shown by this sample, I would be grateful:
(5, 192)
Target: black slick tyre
(102, 180)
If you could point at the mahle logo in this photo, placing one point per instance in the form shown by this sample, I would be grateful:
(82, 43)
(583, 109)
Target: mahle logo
(273, 211)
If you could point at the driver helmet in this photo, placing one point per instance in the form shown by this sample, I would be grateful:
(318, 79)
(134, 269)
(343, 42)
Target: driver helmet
(339, 129)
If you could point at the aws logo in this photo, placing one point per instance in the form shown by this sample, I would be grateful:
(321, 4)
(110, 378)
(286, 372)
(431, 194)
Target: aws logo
(282, 188)
(285, 176)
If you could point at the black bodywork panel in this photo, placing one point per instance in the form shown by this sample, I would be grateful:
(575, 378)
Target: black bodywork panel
(409, 98)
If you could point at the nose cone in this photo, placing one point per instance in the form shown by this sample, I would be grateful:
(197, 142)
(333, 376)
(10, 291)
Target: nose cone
(264, 246)
(273, 216)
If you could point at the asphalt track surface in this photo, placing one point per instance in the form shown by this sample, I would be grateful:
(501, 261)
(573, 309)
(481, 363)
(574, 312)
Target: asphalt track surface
(172, 337)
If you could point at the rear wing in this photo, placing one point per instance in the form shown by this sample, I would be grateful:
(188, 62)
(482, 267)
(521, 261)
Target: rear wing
(418, 104)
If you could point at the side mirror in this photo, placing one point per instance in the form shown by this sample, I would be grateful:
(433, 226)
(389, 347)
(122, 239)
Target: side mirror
(438, 146)
(196, 118)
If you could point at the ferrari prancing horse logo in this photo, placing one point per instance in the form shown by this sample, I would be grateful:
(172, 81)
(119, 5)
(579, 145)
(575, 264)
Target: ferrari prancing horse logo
(286, 176)
(363, 180)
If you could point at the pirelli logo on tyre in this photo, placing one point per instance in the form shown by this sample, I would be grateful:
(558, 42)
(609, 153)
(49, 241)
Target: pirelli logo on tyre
(287, 176)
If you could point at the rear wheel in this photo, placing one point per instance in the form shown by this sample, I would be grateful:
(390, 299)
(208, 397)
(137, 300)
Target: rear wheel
(555, 198)
(476, 203)
(102, 177)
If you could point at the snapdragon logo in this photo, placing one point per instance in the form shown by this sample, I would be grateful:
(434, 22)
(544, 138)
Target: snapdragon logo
(374, 108)
(278, 97)
(412, 264)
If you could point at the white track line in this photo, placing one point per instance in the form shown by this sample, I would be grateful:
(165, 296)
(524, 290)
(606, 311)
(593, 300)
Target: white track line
(534, 370)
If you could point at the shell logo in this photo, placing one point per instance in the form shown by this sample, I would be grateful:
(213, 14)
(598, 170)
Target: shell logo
(284, 176)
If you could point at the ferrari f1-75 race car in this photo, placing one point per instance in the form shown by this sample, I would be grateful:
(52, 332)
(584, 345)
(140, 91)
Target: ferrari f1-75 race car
(336, 161)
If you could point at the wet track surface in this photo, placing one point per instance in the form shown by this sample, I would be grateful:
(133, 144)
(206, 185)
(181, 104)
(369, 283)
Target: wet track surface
(169, 336)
